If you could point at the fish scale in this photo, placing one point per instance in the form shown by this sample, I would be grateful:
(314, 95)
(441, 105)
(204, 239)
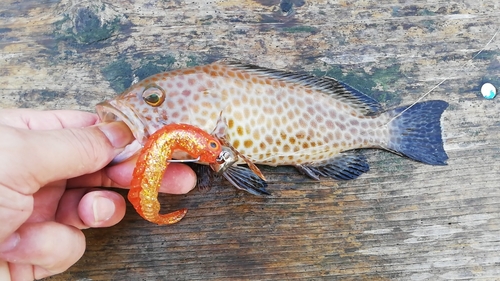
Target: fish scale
(273, 117)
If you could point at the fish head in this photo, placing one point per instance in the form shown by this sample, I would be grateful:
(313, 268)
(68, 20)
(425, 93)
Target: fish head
(142, 108)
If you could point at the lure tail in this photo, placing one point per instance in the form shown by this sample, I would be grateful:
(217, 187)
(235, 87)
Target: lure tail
(416, 132)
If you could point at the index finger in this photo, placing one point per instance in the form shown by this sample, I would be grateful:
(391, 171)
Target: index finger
(46, 120)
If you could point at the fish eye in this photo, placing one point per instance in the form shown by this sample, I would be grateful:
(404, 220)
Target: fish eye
(153, 96)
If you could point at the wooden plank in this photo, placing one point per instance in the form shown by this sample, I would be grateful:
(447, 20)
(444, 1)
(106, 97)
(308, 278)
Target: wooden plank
(402, 220)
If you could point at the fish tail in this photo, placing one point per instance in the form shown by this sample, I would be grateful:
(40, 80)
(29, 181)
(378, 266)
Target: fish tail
(415, 131)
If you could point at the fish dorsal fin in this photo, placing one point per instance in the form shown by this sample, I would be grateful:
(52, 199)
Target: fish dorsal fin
(339, 90)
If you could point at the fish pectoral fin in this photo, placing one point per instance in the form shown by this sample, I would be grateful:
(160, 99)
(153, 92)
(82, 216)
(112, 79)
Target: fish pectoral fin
(245, 179)
(341, 167)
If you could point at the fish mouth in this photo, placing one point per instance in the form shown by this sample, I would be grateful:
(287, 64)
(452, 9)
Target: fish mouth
(111, 111)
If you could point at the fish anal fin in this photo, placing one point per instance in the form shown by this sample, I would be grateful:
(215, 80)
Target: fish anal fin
(341, 167)
(245, 179)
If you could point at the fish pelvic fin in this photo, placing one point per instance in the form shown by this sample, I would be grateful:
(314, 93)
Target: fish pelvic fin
(416, 132)
(345, 166)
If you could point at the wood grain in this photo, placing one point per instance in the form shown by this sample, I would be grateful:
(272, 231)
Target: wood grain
(401, 221)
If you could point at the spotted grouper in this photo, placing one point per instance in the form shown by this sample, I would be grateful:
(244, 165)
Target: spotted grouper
(272, 117)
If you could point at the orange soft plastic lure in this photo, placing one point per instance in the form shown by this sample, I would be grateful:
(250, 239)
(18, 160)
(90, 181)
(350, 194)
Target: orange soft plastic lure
(153, 161)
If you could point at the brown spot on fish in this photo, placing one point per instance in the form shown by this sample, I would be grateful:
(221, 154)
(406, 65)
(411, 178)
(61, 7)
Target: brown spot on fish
(231, 74)
(268, 110)
(236, 144)
(276, 122)
(286, 148)
(338, 134)
(148, 117)
(256, 135)
(262, 145)
(305, 145)
(230, 123)
(269, 139)
(279, 109)
(238, 116)
(239, 129)
(214, 116)
(244, 99)
(329, 124)
(248, 143)
(284, 120)
(302, 121)
(186, 93)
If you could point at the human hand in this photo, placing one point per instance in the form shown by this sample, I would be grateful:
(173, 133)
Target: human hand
(51, 161)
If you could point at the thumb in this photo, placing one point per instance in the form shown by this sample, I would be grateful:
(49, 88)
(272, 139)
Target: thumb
(67, 153)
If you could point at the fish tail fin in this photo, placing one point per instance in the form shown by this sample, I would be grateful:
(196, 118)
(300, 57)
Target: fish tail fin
(415, 131)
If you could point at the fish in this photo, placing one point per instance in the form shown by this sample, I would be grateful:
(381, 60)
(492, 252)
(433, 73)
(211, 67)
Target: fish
(153, 160)
(272, 117)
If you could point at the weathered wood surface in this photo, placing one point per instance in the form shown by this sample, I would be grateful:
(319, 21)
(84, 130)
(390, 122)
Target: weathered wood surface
(401, 221)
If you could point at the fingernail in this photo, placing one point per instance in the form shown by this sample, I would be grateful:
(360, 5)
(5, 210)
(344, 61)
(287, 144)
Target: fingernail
(117, 133)
(103, 209)
(10, 243)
